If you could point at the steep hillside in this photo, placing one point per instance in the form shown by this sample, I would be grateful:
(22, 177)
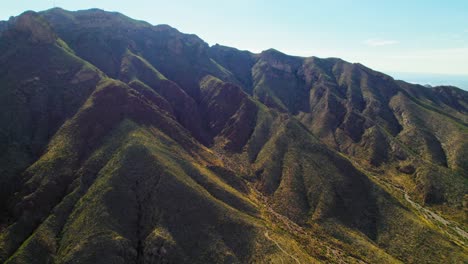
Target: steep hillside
(381, 124)
(131, 143)
(36, 100)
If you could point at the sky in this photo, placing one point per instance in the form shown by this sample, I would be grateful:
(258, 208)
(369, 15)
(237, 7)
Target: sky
(391, 36)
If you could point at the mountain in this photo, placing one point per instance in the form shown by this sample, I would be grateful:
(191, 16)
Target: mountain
(430, 79)
(125, 142)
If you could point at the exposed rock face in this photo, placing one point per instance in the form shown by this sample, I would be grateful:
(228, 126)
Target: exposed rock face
(124, 142)
(230, 113)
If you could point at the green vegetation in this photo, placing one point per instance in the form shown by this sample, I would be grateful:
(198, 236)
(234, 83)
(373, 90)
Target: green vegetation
(130, 143)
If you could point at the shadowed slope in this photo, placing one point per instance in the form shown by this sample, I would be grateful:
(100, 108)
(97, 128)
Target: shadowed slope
(194, 154)
(135, 185)
(36, 100)
(103, 38)
(378, 122)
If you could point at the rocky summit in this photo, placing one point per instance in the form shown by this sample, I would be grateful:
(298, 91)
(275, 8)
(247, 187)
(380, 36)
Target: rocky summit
(124, 142)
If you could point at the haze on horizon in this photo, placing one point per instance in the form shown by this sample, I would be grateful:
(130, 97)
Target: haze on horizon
(429, 37)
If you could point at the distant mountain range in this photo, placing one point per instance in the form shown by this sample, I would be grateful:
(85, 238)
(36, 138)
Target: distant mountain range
(124, 142)
(432, 79)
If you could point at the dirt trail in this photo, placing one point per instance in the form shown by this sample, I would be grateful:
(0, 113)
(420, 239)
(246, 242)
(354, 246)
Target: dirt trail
(448, 227)
(278, 245)
(432, 216)
(334, 255)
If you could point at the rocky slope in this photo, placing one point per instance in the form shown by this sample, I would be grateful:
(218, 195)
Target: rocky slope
(125, 142)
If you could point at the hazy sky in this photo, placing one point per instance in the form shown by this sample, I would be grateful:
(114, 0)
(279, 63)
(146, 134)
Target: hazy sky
(396, 36)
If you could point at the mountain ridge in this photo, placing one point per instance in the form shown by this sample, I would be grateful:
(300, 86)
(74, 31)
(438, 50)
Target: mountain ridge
(141, 144)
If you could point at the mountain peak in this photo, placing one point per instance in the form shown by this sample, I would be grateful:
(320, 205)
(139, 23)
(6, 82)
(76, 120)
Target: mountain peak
(35, 26)
(132, 143)
(273, 52)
